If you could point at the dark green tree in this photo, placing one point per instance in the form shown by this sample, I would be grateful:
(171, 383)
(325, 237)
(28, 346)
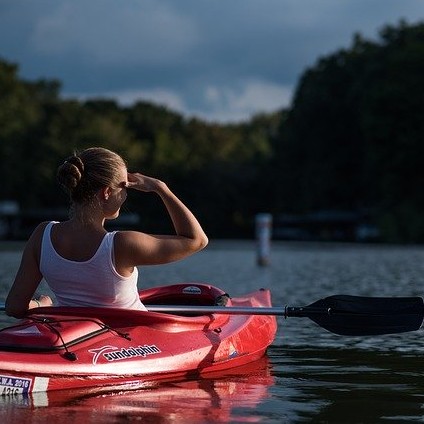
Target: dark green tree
(354, 136)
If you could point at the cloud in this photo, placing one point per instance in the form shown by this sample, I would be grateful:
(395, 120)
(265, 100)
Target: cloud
(115, 33)
(229, 103)
(219, 60)
(223, 104)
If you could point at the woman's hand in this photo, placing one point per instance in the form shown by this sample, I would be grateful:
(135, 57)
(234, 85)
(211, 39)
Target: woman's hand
(41, 302)
(142, 182)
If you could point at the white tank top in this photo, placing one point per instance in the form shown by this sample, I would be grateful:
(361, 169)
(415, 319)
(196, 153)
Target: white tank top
(89, 283)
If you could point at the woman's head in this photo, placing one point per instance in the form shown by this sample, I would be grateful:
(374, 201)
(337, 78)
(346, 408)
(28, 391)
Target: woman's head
(84, 174)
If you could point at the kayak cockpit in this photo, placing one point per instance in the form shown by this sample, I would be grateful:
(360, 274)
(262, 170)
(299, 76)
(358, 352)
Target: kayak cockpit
(57, 327)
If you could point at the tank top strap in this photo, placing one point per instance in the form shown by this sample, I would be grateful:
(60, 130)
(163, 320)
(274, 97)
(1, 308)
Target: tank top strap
(107, 246)
(46, 242)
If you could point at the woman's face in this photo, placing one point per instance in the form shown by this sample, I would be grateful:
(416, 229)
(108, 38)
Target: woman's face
(118, 195)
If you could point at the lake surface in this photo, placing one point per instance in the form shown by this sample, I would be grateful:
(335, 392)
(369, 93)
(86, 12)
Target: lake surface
(308, 374)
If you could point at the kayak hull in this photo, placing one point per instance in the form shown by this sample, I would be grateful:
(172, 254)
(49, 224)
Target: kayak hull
(60, 348)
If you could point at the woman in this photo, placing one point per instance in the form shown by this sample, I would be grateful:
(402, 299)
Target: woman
(83, 264)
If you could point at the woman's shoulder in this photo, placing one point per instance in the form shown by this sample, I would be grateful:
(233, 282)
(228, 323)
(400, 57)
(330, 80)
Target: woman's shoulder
(38, 232)
(34, 242)
(129, 245)
(39, 229)
(126, 237)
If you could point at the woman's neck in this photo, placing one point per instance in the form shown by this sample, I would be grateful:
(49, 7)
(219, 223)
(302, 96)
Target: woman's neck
(87, 217)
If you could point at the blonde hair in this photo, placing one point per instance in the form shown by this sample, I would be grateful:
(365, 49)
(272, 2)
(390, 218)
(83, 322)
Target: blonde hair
(83, 174)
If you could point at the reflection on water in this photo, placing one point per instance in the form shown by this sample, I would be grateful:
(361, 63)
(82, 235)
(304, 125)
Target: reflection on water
(350, 385)
(218, 398)
(309, 375)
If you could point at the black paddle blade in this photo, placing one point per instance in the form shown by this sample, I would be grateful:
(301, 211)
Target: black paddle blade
(361, 316)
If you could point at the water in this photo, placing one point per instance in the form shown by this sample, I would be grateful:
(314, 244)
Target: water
(308, 375)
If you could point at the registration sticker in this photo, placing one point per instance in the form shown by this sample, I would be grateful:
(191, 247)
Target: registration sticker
(14, 386)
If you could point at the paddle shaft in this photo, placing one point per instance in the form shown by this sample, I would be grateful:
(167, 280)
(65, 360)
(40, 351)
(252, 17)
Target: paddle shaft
(340, 314)
(239, 310)
(189, 309)
(233, 310)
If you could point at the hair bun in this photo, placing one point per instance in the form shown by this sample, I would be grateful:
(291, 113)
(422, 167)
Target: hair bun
(70, 172)
(76, 160)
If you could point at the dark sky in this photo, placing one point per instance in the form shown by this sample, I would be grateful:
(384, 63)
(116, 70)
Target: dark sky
(221, 60)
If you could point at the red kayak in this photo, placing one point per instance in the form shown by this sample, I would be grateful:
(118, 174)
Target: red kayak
(65, 348)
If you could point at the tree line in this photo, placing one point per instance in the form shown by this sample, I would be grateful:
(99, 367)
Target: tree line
(352, 140)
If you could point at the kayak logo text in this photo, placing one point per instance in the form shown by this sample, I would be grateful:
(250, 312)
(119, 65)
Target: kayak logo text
(113, 353)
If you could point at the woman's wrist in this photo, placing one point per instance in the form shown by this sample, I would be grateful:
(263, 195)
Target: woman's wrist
(161, 187)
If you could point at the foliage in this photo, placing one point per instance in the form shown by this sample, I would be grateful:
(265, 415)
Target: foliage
(356, 135)
(209, 165)
(353, 140)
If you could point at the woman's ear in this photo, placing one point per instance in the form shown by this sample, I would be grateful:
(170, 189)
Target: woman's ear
(105, 193)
